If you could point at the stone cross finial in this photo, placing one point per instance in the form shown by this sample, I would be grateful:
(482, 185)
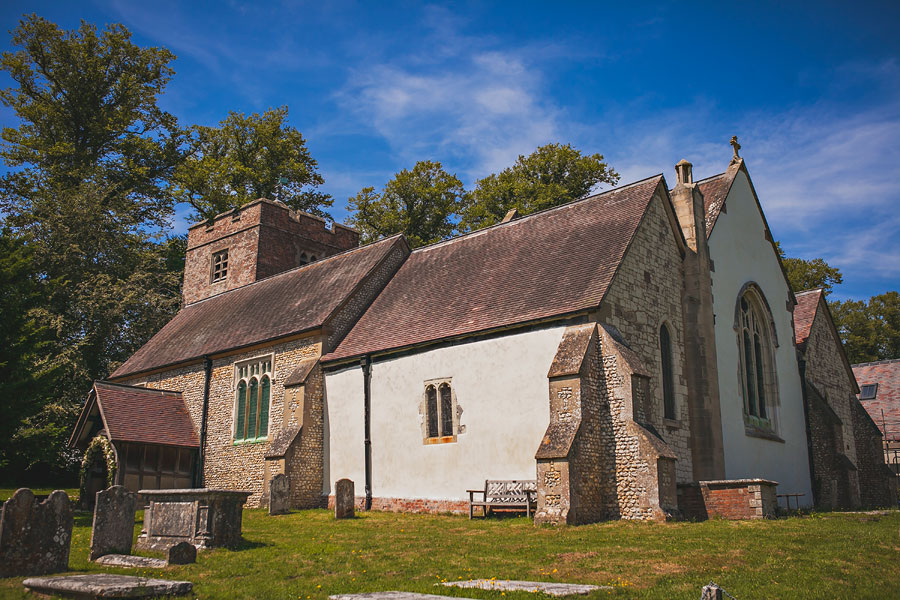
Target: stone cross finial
(736, 146)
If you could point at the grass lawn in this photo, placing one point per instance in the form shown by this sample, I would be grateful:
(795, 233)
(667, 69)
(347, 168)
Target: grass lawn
(6, 493)
(308, 554)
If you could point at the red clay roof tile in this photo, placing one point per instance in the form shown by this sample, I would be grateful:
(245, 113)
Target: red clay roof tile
(885, 407)
(295, 301)
(145, 415)
(543, 265)
(805, 314)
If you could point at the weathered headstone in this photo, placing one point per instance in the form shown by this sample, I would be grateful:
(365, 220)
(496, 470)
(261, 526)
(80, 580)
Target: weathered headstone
(279, 495)
(344, 499)
(113, 529)
(131, 562)
(106, 585)
(181, 553)
(35, 536)
(711, 592)
(551, 588)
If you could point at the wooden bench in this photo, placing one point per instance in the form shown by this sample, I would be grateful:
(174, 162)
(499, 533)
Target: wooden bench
(505, 494)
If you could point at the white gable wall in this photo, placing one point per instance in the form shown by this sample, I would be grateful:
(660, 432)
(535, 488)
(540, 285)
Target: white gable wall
(741, 254)
(501, 385)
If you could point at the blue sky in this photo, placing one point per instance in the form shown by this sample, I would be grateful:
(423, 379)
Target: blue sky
(812, 93)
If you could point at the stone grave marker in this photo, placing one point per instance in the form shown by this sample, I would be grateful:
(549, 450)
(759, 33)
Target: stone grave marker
(35, 536)
(105, 585)
(113, 530)
(132, 562)
(279, 495)
(181, 553)
(344, 499)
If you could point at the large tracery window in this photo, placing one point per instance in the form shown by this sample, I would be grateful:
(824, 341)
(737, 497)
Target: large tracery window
(757, 371)
(251, 412)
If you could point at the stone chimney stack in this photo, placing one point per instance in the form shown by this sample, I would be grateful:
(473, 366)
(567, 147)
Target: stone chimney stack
(701, 371)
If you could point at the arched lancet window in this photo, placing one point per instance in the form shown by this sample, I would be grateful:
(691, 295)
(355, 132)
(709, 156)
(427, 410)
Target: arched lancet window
(756, 353)
(304, 259)
(251, 421)
(239, 431)
(668, 379)
(431, 411)
(446, 410)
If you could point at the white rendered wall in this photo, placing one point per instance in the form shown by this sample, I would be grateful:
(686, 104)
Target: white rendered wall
(742, 254)
(501, 385)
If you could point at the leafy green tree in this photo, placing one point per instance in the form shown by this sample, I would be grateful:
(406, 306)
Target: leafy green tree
(88, 112)
(25, 345)
(87, 192)
(809, 274)
(550, 176)
(420, 204)
(250, 157)
(870, 330)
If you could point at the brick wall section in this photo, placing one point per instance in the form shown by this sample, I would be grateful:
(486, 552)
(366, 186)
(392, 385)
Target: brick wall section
(734, 499)
(877, 484)
(228, 465)
(645, 292)
(263, 238)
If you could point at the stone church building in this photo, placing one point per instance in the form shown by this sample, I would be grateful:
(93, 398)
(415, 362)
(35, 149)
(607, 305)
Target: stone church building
(635, 352)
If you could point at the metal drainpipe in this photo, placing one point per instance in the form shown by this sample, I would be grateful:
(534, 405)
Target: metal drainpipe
(367, 401)
(809, 443)
(198, 475)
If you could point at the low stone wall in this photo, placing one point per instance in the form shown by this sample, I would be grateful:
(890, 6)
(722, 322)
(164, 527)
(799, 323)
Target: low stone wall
(728, 499)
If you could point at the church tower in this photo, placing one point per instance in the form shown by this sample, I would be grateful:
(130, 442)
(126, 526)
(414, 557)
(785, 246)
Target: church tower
(258, 240)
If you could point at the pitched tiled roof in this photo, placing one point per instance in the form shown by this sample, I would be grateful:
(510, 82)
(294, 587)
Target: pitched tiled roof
(292, 302)
(715, 189)
(543, 265)
(805, 314)
(148, 416)
(885, 407)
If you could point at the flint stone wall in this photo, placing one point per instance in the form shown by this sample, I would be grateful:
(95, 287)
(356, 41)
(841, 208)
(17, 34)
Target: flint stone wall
(113, 528)
(35, 537)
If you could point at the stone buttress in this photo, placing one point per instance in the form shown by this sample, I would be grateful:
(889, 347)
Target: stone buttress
(596, 460)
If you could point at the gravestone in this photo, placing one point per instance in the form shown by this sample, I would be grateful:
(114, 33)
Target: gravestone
(279, 495)
(181, 553)
(106, 585)
(113, 529)
(35, 536)
(711, 592)
(131, 562)
(344, 499)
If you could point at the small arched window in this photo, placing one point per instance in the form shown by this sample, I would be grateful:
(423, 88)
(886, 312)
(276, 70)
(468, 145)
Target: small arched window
(439, 412)
(446, 410)
(668, 378)
(756, 353)
(431, 410)
(251, 422)
(304, 259)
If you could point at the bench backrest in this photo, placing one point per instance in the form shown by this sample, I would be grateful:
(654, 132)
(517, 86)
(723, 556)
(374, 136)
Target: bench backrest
(511, 491)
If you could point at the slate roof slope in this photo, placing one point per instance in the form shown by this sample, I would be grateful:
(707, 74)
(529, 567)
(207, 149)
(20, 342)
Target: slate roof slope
(805, 314)
(886, 374)
(143, 415)
(547, 264)
(715, 189)
(295, 301)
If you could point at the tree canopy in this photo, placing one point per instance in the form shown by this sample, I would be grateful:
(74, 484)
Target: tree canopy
(87, 194)
(249, 157)
(552, 175)
(419, 203)
(870, 329)
(809, 274)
